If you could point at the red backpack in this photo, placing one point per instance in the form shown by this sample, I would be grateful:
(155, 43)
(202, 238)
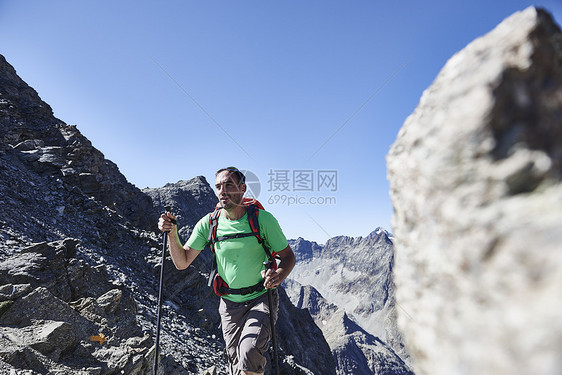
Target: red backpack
(220, 287)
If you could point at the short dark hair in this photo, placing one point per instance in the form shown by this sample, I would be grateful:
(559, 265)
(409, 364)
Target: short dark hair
(236, 172)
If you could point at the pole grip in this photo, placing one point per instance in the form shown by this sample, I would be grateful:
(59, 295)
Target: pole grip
(167, 210)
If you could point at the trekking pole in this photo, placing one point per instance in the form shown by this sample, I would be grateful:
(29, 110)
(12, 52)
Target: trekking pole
(160, 289)
(269, 265)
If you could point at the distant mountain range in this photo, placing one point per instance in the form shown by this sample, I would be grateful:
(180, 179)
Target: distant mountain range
(347, 287)
(354, 272)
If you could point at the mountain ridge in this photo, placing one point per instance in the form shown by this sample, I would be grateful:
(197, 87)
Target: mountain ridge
(347, 283)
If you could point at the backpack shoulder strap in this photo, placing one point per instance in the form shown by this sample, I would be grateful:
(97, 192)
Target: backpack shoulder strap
(253, 213)
(213, 224)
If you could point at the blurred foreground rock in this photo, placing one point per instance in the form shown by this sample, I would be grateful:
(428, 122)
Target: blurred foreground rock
(475, 177)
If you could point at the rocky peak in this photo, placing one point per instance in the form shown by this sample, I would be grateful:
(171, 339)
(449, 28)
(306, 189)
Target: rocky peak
(21, 102)
(378, 235)
(49, 147)
(374, 238)
(189, 200)
(307, 249)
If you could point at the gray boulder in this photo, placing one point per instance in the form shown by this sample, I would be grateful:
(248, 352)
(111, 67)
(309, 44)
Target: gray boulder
(475, 177)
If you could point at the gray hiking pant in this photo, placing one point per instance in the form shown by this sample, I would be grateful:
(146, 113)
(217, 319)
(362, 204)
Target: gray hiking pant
(247, 332)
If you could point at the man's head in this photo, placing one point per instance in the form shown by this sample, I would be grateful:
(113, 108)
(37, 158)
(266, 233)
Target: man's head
(231, 186)
(238, 175)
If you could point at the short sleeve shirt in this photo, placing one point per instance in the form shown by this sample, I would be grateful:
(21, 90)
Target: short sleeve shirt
(240, 260)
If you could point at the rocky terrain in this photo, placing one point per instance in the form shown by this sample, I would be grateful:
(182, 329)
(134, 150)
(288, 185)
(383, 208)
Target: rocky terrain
(476, 265)
(475, 176)
(79, 261)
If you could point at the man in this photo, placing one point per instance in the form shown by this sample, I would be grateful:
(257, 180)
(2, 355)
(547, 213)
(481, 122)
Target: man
(245, 317)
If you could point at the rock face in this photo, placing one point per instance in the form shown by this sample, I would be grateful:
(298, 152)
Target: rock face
(189, 201)
(301, 341)
(475, 177)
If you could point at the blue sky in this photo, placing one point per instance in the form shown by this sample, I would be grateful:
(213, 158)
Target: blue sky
(297, 92)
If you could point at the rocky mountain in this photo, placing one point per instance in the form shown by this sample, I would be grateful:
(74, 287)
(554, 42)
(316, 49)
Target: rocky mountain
(476, 183)
(353, 273)
(80, 259)
(346, 285)
(189, 200)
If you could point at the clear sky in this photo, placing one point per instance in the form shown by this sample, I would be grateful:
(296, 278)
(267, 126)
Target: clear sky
(306, 95)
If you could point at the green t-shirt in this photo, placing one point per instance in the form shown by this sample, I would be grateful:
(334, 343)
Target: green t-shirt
(240, 260)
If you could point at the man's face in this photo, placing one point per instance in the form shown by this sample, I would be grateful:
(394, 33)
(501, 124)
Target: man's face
(229, 191)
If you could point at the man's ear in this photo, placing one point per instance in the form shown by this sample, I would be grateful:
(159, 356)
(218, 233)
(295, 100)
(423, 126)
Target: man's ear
(243, 188)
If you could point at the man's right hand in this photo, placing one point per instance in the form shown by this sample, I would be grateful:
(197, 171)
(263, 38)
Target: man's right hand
(165, 223)
(181, 256)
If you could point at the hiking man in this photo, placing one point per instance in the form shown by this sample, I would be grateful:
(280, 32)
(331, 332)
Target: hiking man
(240, 261)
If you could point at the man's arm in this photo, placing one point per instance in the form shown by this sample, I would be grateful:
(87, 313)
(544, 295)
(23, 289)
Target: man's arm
(182, 256)
(275, 278)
